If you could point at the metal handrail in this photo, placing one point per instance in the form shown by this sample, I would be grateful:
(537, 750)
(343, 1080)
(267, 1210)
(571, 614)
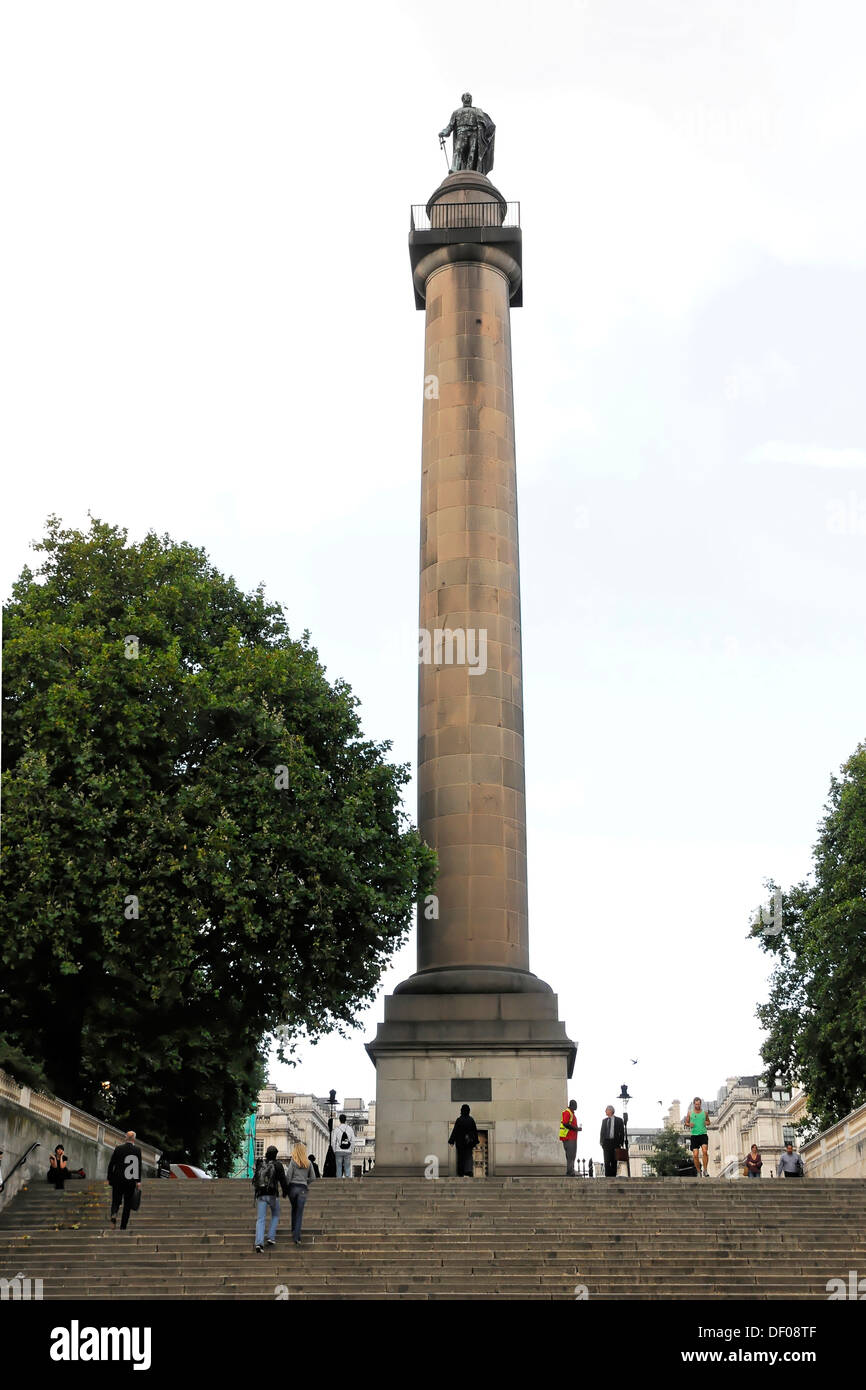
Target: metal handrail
(450, 215)
(24, 1156)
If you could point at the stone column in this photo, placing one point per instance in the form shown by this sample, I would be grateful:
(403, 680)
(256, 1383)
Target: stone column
(472, 1024)
(471, 797)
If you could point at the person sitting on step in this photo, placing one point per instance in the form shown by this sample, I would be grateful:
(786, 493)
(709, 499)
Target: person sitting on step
(58, 1170)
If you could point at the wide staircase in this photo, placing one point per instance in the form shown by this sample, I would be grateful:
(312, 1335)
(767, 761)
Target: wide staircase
(379, 1238)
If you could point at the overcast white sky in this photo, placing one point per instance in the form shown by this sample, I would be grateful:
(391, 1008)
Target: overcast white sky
(210, 330)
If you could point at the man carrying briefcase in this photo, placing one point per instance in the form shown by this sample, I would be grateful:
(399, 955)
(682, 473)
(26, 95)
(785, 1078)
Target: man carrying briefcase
(612, 1140)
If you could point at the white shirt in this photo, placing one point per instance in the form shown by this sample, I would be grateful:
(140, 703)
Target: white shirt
(338, 1134)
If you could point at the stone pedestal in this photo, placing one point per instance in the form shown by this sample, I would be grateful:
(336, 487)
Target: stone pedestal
(505, 1055)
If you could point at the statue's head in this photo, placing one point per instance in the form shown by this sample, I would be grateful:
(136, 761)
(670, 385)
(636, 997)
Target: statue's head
(466, 98)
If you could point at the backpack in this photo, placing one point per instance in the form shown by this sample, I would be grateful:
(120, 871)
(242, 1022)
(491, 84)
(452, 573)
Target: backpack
(265, 1180)
(345, 1141)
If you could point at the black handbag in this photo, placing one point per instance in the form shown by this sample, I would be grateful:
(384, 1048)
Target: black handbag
(136, 1200)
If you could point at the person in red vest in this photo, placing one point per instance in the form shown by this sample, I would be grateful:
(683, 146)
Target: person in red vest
(568, 1132)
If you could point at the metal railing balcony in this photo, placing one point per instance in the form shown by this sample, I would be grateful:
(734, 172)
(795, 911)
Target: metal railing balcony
(450, 215)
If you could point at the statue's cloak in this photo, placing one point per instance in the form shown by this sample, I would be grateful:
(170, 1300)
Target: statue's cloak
(486, 138)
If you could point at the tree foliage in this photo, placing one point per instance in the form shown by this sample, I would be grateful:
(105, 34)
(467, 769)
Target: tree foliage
(200, 848)
(670, 1154)
(815, 1016)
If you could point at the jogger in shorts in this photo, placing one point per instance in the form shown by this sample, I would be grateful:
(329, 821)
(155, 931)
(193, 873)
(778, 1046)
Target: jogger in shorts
(697, 1123)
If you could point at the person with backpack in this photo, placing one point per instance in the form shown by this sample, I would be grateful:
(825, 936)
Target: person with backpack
(344, 1144)
(269, 1179)
(300, 1174)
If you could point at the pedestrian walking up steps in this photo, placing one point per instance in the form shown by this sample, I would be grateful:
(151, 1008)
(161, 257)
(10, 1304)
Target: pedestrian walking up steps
(381, 1238)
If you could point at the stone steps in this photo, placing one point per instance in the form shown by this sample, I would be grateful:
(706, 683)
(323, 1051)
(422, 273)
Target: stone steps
(411, 1239)
(315, 1256)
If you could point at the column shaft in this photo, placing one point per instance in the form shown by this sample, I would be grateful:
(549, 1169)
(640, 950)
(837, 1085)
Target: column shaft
(470, 753)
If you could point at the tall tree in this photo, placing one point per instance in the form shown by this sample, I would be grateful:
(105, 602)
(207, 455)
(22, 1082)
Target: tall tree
(815, 1016)
(201, 850)
(670, 1155)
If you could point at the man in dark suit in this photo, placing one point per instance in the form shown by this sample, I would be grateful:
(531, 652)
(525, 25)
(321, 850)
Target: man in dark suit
(124, 1174)
(612, 1138)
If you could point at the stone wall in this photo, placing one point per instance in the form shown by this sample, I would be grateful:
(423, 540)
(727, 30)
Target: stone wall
(839, 1152)
(27, 1116)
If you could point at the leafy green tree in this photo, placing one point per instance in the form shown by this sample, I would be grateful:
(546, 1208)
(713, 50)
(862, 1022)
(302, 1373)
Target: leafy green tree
(201, 850)
(816, 1013)
(670, 1154)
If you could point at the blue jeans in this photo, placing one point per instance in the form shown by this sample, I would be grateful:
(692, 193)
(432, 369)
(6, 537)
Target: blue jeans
(262, 1205)
(344, 1162)
(298, 1199)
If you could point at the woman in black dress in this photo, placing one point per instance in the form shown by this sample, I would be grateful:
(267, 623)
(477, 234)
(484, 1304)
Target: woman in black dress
(59, 1169)
(464, 1136)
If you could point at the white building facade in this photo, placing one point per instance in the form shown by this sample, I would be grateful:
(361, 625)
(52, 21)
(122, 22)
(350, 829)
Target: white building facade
(285, 1117)
(749, 1112)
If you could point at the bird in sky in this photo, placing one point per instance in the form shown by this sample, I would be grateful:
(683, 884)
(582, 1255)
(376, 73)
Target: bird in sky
(634, 1061)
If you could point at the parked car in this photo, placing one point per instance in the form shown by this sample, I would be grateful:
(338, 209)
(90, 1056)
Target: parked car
(186, 1170)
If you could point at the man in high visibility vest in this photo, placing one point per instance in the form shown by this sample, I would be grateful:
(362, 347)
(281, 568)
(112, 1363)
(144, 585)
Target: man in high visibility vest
(568, 1132)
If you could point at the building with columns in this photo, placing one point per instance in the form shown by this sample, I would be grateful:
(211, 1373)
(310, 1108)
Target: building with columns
(748, 1112)
(285, 1117)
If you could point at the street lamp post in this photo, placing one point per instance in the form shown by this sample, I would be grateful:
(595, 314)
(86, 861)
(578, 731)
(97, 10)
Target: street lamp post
(329, 1167)
(624, 1098)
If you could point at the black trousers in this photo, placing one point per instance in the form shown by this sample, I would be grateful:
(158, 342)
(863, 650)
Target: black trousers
(122, 1192)
(609, 1151)
(465, 1162)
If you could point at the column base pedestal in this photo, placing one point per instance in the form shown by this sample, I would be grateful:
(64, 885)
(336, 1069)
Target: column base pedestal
(506, 1055)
